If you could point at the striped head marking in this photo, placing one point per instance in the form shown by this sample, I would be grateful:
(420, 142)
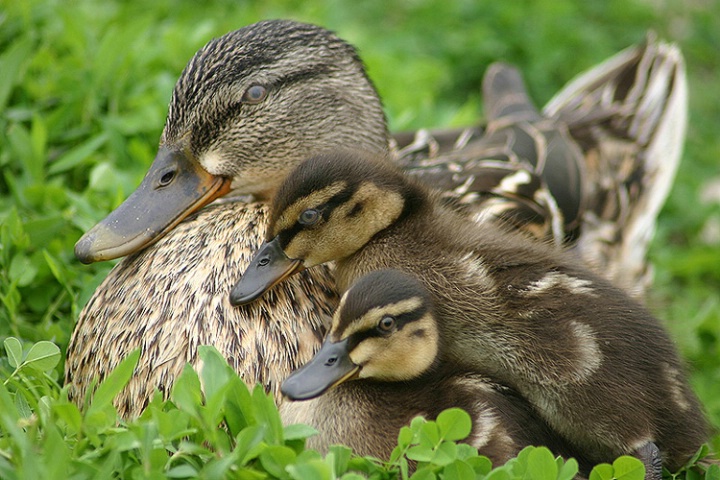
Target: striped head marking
(333, 204)
(384, 329)
(387, 319)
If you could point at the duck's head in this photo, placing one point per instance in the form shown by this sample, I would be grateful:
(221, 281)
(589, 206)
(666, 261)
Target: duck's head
(248, 107)
(384, 329)
(328, 208)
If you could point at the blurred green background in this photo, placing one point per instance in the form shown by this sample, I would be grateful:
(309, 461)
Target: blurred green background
(84, 88)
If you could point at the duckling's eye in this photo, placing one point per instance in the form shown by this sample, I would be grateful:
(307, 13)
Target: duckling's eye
(386, 324)
(254, 94)
(309, 217)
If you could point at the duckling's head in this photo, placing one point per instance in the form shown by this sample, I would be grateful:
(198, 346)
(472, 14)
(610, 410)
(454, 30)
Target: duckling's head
(248, 107)
(327, 209)
(384, 329)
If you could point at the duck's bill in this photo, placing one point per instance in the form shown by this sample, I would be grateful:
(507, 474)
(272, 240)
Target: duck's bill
(269, 267)
(329, 367)
(174, 187)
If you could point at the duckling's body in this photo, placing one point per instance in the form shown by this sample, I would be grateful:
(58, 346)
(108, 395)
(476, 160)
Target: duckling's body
(169, 297)
(593, 362)
(367, 415)
(399, 378)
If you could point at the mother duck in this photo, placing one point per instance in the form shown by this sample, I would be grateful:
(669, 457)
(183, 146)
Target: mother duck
(252, 104)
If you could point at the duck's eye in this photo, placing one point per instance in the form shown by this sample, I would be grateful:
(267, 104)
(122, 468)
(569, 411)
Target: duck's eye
(166, 178)
(255, 94)
(309, 217)
(386, 324)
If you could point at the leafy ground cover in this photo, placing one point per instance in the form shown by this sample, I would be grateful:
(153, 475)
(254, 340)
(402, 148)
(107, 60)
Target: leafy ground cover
(213, 427)
(84, 87)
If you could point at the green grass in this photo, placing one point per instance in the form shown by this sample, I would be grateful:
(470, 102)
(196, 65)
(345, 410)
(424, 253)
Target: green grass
(84, 87)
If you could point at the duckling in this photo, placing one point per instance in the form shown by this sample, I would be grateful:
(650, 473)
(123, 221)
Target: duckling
(205, 152)
(384, 336)
(597, 366)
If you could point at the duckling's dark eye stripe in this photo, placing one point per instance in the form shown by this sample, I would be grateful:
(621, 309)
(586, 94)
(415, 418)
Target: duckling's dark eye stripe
(400, 322)
(325, 209)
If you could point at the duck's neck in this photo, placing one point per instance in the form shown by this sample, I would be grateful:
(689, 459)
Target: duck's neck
(417, 202)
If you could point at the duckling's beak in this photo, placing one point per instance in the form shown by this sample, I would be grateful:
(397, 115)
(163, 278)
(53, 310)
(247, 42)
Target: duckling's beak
(329, 367)
(174, 187)
(269, 267)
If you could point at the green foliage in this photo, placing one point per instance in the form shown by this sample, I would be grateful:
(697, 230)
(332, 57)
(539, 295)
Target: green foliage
(623, 468)
(213, 426)
(49, 437)
(429, 443)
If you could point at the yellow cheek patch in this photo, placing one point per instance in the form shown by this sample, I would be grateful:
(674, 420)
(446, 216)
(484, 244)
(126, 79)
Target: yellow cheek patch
(380, 208)
(403, 355)
(342, 234)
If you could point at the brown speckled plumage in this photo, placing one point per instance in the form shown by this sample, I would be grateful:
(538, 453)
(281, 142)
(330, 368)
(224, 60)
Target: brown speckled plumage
(172, 297)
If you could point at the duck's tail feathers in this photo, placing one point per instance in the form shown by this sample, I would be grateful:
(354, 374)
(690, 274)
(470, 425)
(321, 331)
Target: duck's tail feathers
(505, 96)
(629, 115)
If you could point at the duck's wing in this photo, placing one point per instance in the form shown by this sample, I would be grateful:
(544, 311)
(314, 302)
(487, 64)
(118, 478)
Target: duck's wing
(523, 168)
(592, 170)
(629, 116)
